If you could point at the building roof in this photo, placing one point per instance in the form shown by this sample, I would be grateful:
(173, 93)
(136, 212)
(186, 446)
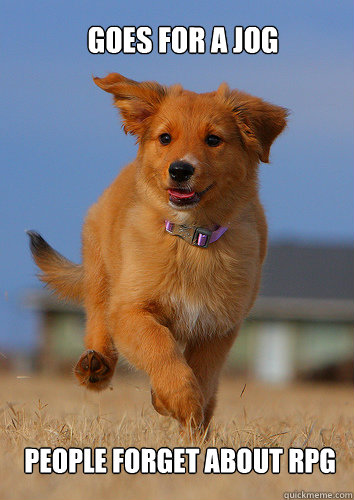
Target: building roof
(304, 271)
(307, 283)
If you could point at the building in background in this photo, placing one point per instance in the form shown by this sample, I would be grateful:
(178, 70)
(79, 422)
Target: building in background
(301, 325)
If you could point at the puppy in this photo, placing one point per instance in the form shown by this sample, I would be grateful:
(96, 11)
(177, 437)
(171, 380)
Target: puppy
(173, 249)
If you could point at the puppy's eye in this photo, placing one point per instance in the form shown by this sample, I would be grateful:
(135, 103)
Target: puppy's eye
(212, 140)
(165, 139)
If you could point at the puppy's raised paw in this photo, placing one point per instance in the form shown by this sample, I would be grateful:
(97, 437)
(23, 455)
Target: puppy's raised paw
(94, 370)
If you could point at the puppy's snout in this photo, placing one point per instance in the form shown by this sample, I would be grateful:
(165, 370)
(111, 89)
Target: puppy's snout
(181, 171)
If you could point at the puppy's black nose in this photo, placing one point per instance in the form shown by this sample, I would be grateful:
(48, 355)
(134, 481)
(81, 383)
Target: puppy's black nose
(180, 171)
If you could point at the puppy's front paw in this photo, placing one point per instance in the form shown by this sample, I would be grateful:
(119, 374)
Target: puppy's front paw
(94, 370)
(190, 405)
(157, 404)
(183, 401)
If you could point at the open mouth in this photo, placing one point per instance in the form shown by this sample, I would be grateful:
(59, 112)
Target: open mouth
(185, 197)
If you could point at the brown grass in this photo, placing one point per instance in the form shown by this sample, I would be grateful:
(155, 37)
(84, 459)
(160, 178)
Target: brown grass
(55, 412)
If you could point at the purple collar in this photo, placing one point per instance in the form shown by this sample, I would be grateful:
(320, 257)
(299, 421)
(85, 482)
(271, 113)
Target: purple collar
(197, 236)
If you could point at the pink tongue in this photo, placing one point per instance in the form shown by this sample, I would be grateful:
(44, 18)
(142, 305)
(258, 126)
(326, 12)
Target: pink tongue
(181, 194)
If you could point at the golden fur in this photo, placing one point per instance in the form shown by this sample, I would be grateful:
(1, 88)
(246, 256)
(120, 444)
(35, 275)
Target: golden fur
(172, 309)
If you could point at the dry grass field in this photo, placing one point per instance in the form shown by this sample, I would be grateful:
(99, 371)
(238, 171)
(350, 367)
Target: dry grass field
(55, 412)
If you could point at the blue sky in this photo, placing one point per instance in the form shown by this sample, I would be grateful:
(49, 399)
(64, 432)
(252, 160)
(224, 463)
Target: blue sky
(61, 142)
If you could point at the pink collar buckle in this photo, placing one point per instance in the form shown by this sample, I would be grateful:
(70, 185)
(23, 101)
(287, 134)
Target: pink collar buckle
(196, 236)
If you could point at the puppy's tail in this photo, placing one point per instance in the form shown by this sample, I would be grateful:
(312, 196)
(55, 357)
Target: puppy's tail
(59, 273)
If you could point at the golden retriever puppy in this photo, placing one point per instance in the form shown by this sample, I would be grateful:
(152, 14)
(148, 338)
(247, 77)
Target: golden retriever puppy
(173, 249)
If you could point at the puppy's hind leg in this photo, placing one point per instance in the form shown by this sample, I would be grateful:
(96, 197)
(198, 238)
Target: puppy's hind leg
(206, 359)
(96, 365)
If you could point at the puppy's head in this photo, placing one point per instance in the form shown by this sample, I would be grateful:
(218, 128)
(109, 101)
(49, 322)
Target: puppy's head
(198, 153)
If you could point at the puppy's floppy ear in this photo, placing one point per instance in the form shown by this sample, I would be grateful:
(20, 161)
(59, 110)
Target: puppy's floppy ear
(136, 101)
(259, 121)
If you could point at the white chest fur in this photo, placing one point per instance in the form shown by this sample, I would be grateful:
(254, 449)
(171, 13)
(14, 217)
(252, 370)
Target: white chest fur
(191, 319)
